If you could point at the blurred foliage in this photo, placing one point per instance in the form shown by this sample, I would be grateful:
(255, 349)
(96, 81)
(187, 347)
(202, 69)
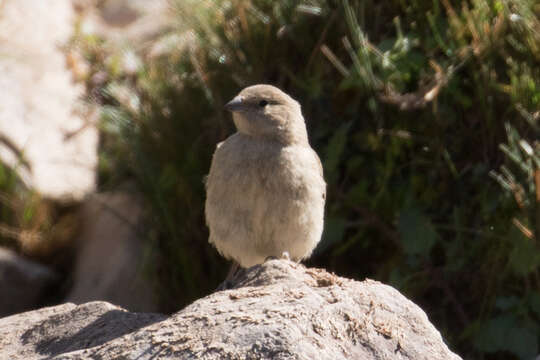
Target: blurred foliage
(407, 104)
(14, 213)
(32, 225)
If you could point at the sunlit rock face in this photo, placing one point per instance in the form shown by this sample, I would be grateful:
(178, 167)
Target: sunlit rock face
(39, 120)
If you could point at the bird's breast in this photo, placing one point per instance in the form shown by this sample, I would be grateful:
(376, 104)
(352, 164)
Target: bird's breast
(265, 199)
(259, 166)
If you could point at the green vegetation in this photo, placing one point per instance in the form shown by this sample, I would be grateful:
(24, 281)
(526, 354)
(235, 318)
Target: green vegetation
(31, 225)
(409, 105)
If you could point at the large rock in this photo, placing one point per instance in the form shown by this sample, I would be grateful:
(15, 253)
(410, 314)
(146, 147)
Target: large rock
(277, 310)
(110, 254)
(24, 284)
(131, 21)
(66, 328)
(53, 148)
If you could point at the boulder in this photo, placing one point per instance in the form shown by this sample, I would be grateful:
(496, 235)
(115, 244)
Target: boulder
(125, 21)
(277, 310)
(24, 284)
(51, 145)
(66, 328)
(110, 254)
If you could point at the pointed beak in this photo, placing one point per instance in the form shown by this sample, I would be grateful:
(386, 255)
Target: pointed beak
(235, 104)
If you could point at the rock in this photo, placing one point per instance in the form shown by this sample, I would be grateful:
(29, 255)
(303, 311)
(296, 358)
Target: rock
(125, 21)
(53, 148)
(24, 284)
(66, 328)
(277, 310)
(110, 254)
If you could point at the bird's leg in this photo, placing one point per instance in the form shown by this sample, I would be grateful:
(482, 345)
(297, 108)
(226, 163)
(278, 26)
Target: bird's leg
(227, 283)
(284, 255)
(232, 271)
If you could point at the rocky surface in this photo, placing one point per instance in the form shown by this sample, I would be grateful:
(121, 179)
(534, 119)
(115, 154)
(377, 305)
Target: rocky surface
(277, 310)
(110, 254)
(23, 283)
(53, 148)
(132, 22)
(66, 328)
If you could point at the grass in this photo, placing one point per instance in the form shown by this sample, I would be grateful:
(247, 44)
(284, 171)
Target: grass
(411, 106)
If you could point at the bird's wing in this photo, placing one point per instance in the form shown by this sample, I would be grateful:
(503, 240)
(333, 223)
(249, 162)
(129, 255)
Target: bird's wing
(205, 177)
(320, 170)
(318, 162)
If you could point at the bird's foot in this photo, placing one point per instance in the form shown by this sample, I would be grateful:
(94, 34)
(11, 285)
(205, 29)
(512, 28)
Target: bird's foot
(234, 270)
(284, 256)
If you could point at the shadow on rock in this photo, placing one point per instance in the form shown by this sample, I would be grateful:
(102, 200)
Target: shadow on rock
(57, 336)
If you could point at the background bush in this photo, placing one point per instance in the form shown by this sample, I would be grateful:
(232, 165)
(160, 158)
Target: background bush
(425, 115)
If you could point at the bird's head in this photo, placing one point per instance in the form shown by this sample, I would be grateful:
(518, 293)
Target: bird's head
(267, 112)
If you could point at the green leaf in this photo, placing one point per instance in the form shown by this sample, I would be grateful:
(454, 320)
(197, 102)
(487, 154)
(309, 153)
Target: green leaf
(534, 302)
(507, 302)
(168, 177)
(3, 175)
(524, 258)
(28, 213)
(417, 232)
(504, 333)
(335, 149)
(522, 342)
(334, 229)
(358, 193)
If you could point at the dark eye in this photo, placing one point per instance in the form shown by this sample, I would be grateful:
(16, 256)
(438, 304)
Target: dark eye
(263, 103)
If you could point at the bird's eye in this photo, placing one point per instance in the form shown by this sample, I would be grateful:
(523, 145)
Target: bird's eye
(263, 103)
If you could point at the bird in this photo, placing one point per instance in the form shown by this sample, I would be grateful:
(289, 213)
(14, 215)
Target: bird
(265, 191)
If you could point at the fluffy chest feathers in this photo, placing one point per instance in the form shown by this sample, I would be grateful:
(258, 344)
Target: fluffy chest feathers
(251, 164)
(264, 199)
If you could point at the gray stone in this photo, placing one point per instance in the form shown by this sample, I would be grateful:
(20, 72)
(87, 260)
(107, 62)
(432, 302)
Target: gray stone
(23, 283)
(110, 254)
(66, 328)
(53, 148)
(126, 21)
(277, 310)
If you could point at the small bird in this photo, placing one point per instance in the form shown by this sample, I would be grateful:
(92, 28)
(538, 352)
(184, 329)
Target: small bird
(265, 191)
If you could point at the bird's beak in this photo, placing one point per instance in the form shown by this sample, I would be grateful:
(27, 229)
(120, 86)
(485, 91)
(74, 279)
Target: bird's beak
(235, 104)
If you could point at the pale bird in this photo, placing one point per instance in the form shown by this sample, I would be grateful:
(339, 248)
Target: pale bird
(265, 191)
